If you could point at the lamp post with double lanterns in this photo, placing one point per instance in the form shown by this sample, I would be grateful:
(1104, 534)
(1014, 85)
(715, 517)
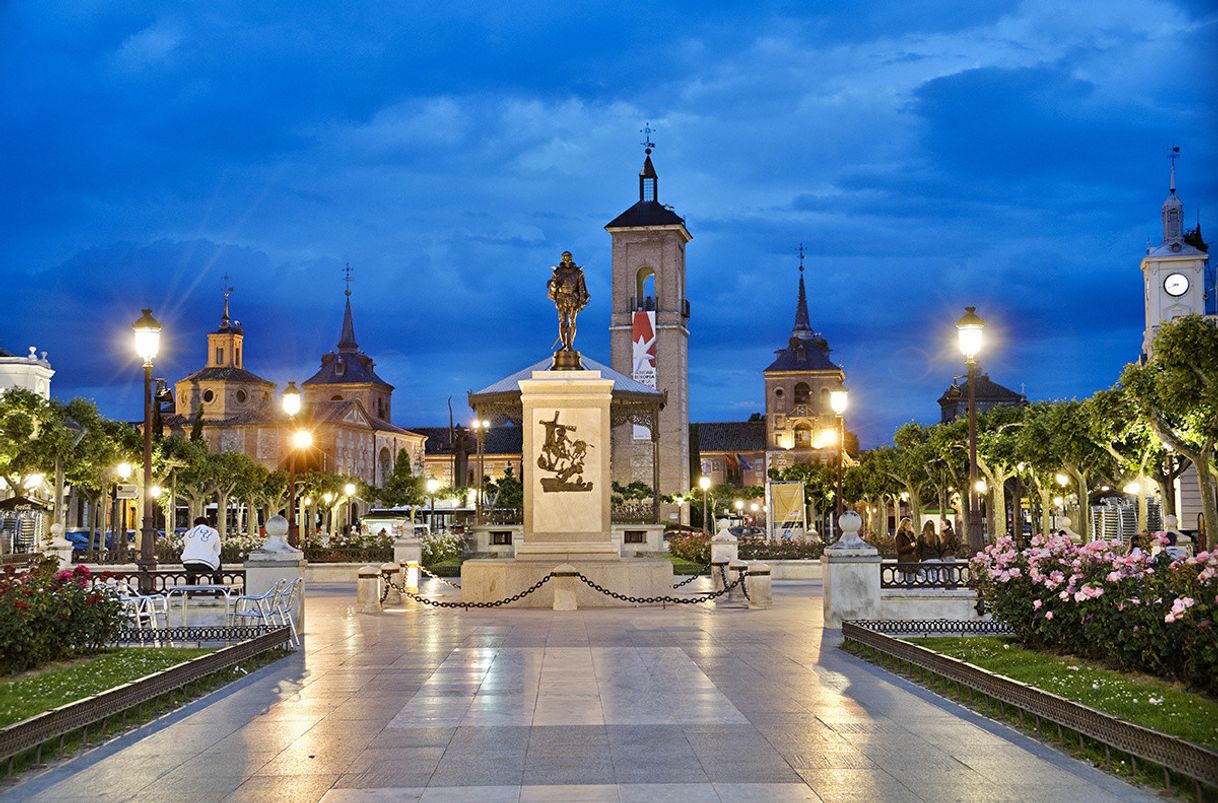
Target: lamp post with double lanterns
(969, 334)
(704, 483)
(147, 341)
(838, 400)
(479, 426)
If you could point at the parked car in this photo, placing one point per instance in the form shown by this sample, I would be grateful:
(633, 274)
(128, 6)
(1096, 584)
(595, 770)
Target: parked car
(80, 539)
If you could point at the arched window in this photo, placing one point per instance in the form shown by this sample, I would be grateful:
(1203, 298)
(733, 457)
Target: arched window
(803, 436)
(645, 289)
(802, 393)
(336, 397)
(385, 464)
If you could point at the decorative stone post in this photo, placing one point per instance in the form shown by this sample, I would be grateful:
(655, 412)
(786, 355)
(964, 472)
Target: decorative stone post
(852, 575)
(761, 594)
(276, 560)
(58, 547)
(723, 551)
(564, 587)
(734, 569)
(368, 590)
(393, 573)
(408, 553)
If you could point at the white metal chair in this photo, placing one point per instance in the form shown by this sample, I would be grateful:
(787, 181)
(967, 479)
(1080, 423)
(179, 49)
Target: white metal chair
(260, 607)
(285, 605)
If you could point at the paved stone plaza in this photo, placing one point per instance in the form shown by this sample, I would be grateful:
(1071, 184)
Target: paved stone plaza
(683, 704)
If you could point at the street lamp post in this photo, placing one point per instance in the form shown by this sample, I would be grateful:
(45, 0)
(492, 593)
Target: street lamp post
(349, 490)
(433, 485)
(968, 332)
(291, 406)
(704, 483)
(739, 505)
(479, 426)
(838, 400)
(147, 338)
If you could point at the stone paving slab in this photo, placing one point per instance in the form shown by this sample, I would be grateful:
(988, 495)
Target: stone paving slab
(606, 704)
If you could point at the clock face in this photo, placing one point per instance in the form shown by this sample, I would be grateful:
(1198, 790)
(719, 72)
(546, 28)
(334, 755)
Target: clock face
(1176, 284)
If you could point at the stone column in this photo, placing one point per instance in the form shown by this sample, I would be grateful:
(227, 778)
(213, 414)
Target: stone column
(58, 547)
(734, 570)
(564, 587)
(408, 553)
(276, 560)
(393, 573)
(761, 595)
(368, 590)
(852, 575)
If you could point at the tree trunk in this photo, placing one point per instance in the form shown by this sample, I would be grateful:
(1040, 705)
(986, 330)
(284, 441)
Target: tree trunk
(222, 514)
(1046, 514)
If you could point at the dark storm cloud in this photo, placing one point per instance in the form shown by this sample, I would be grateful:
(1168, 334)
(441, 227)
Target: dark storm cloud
(929, 154)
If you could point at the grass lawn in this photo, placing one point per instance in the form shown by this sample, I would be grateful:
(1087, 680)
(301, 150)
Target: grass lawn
(682, 566)
(31, 693)
(1139, 699)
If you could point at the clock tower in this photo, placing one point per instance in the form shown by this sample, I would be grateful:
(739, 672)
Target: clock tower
(1175, 272)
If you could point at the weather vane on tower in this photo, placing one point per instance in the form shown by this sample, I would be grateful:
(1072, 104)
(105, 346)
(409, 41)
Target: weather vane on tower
(647, 131)
(227, 292)
(347, 278)
(801, 257)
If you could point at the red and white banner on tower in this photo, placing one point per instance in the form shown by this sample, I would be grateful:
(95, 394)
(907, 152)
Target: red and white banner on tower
(643, 357)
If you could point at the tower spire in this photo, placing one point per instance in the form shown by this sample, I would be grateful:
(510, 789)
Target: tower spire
(803, 325)
(1173, 209)
(648, 181)
(224, 319)
(346, 341)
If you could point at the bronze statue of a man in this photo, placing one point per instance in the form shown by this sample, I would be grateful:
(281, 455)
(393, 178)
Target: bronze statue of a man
(570, 295)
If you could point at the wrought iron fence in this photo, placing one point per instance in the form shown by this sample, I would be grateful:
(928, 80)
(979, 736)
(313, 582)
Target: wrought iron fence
(1194, 761)
(504, 516)
(947, 575)
(341, 554)
(158, 581)
(633, 511)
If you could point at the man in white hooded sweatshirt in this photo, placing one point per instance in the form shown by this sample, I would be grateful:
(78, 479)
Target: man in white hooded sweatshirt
(200, 550)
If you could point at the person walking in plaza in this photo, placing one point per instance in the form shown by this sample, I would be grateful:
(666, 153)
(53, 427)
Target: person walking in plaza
(200, 550)
(928, 551)
(949, 542)
(907, 546)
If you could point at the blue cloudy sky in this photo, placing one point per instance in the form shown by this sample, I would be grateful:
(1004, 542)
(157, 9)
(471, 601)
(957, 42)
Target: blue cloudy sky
(929, 154)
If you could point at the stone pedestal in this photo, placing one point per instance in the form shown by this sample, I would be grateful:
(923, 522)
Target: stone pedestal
(566, 519)
(734, 569)
(851, 575)
(718, 573)
(761, 593)
(58, 547)
(368, 590)
(276, 560)
(408, 554)
(723, 547)
(564, 582)
(394, 571)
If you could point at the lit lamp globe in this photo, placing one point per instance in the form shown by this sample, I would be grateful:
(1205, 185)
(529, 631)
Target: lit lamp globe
(980, 486)
(147, 337)
(291, 399)
(302, 439)
(968, 333)
(349, 489)
(123, 470)
(838, 399)
(433, 485)
(739, 505)
(704, 483)
(327, 497)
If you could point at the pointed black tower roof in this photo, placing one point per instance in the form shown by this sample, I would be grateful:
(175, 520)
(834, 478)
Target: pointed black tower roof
(348, 365)
(648, 211)
(806, 350)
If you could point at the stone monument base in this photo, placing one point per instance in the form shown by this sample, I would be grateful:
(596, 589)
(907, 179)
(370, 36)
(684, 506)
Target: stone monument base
(490, 580)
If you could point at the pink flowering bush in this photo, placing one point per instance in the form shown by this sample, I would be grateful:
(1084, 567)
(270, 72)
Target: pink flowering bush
(1140, 612)
(48, 615)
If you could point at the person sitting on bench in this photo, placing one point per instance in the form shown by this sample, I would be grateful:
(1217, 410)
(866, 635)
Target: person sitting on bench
(201, 551)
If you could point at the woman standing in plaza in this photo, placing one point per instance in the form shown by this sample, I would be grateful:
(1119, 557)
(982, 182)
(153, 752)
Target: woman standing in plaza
(928, 551)
(907, 546)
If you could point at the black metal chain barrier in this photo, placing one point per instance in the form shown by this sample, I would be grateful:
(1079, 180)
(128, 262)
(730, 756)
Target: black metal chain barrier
(435, 576)
(435, 603)
(707, 597)
(693, 577)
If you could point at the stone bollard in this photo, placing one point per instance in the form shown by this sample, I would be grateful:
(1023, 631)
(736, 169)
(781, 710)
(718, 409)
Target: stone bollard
(761, 592)
(718, 572)
(408, 553)
(393, 573)
(368, 590)
(852, 575)
(276, 560)
(58, 547)
(734, 570)
(564, 587)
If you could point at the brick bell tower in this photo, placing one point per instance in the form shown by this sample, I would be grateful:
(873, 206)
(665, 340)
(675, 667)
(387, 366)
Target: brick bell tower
(649, 331)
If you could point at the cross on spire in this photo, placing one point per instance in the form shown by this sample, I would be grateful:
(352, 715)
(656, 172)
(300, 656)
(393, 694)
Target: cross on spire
(347, 279)
(647, 131)
(1173, 156)
(801, 257)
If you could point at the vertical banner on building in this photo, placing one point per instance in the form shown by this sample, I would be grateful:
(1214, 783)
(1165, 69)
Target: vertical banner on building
(643, 357)
(787, 509)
